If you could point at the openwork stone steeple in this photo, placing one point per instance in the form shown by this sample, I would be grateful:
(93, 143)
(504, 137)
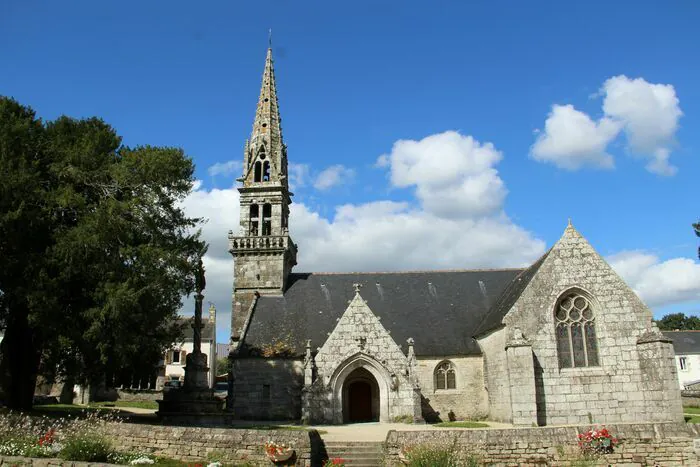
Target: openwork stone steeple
(263, 252)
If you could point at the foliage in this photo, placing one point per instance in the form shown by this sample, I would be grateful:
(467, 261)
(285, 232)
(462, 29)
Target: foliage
(403, 419)
(696, 228)
(222, 365)
(280, 347)
(439, 455)
(462, 424)
(596, 441)
(86, 448)
(680, 322)
(335, 462)
(97, 250)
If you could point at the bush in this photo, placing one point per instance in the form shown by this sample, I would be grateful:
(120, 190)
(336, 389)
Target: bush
(86, 448)
(430, 455)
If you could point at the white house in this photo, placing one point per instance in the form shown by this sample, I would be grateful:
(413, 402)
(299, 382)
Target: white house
(175, 358)
(686, 345)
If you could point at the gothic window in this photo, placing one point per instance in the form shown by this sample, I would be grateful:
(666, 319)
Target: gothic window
(267, 219)
(577, 344)
(254, 219)
(445, 376)
(266, 171)
(257, 176)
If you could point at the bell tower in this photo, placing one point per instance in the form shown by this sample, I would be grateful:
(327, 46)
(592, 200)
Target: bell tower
(263, 251)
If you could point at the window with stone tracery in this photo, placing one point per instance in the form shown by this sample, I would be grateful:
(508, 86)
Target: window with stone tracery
(577, 344)
(445, 376)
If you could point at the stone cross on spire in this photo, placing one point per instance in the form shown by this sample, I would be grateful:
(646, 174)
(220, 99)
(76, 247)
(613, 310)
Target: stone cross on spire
(357, 287)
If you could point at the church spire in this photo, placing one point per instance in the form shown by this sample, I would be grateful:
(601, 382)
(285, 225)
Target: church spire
(266, 141)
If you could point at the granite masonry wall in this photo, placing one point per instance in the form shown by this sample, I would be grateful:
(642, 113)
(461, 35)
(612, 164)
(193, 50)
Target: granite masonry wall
(636, 380)
(493, 346)
(659, 444)
(226, 445)
(468, 401)
(267, 388)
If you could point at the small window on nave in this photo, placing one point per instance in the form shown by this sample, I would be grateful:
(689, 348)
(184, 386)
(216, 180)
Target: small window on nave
(445, 376)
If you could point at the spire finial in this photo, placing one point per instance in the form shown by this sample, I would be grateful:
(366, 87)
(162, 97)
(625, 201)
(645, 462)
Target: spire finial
(269, 38)
(357, 287)
(570, 223)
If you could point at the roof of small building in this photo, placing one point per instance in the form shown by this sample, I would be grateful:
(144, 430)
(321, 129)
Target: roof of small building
(684, 342)
(440, 310)
(208, 332)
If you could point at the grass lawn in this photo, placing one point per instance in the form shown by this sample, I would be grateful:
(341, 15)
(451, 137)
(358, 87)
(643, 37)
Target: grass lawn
(60, 410)
(692, 419)
(135, 404)
(464, 424)
(693, 410)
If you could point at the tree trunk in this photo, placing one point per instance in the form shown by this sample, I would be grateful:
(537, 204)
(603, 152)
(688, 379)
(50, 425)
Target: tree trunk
(19, 361)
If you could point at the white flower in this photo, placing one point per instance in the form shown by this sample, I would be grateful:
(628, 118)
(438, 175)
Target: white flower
(142, 460)
(214, 464)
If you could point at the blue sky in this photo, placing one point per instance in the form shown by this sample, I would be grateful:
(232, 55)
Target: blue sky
(356, 77)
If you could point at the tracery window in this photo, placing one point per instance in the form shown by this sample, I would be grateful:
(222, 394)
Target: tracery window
(577, 345)
(445, 376)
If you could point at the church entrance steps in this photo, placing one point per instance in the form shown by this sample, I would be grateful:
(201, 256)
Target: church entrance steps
(357, 453)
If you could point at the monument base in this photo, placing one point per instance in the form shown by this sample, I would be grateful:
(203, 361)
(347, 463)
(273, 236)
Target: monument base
(193, 407)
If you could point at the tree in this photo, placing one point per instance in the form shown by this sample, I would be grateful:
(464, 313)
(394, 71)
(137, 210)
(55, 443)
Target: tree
(100, 250)
(696, 227)
(679, 322)
(221, 365)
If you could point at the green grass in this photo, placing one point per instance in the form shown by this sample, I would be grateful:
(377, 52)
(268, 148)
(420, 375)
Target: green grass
(464, 424)
(692, 419)
(135, 404)
(61, 410)
(279, 427)
(693, 410)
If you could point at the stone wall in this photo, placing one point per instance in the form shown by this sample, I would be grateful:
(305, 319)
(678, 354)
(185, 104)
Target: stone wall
(267, 388)
(493, 346)
(225, 445)
(468, 401)
(631, 384)
(660, 444)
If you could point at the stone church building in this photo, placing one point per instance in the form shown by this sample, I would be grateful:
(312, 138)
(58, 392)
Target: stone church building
(564, 341)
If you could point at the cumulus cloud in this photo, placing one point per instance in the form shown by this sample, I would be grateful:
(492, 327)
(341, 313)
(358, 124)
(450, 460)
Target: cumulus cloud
(659, 283)
(333, 176)
(298, 175)
(646, 113)
(453, 174)
(650, 114)
(571, 139)
(225, 168)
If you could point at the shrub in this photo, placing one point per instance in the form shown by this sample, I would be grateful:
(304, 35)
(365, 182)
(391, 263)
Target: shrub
(86, 448)
(434, 455)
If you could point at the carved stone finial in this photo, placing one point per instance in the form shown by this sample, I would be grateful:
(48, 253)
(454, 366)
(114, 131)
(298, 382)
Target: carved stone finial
(357, 287)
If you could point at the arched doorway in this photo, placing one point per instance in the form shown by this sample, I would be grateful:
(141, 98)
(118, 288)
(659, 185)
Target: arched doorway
(360, 397)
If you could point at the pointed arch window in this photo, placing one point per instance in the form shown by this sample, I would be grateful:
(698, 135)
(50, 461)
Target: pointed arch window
(577, 343)
(254, 219)
(257, 175)
(267, 219)
(266, 171)
(445, 376)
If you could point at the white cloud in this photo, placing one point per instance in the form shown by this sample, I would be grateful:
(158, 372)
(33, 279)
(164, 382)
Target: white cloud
(453, 174)
(333, 176)
(298, 175)
(650, 114)
(647, 113)
(224, 168)
(571, 139)
(659, 283)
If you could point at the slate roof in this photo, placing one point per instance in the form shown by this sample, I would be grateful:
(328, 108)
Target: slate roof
(208, 332)
(439, 309)
(684, 342)
(493, 317)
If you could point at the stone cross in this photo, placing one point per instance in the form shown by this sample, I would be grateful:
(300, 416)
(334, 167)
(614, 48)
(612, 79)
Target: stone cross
(197, 326)
(357, 287)
(361, 341)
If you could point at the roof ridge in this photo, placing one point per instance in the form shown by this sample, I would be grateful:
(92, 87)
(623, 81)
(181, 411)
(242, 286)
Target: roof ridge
(417, 271)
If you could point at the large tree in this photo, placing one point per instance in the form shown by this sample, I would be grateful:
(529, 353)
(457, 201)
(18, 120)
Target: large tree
(99, 250)
(679, 322)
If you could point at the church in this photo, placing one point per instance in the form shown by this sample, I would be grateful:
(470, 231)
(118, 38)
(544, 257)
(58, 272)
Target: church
(563, 341)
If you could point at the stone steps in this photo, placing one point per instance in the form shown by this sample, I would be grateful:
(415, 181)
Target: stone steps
(357, 453)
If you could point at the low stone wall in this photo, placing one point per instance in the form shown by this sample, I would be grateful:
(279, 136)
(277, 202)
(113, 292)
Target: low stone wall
(691, 398)
(658, 444)
(139, 395)
(226, 445)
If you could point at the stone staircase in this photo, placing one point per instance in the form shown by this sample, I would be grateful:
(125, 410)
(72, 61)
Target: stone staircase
(357, 453)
